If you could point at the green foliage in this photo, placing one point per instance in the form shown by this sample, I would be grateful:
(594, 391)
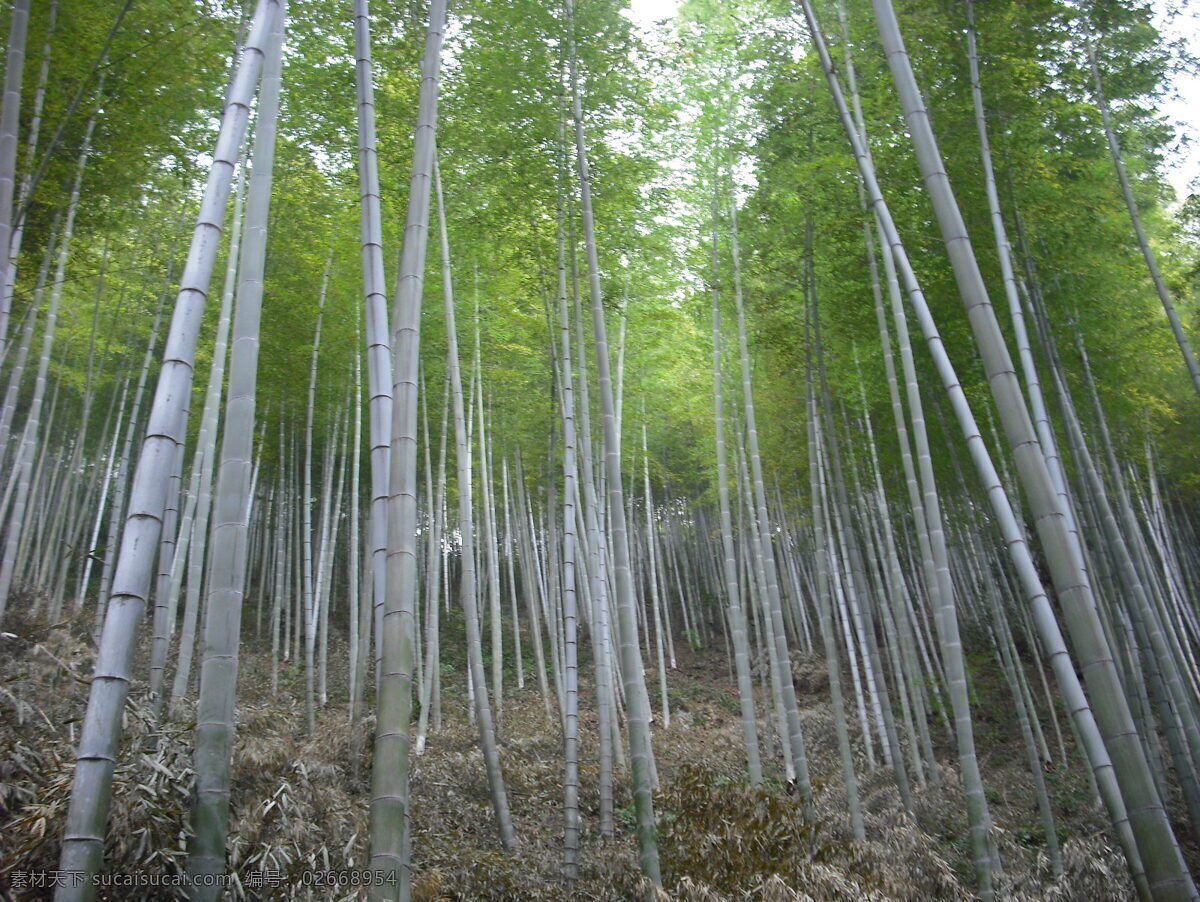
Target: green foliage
(1051, 161)
(737, 85)
(150, 127)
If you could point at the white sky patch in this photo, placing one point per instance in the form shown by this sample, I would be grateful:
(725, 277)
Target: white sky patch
(1182, 104)
(645, 13)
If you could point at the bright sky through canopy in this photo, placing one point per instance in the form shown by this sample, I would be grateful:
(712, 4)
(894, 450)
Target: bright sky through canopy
(1183, 167)
(646, 12)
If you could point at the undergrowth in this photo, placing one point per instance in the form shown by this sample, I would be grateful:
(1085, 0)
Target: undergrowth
(300, 804)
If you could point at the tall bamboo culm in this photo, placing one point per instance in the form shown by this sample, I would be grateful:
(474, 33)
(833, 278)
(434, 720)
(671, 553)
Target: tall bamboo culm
(91, 791)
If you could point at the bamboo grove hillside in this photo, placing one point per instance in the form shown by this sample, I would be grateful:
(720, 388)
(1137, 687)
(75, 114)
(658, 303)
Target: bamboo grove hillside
(507, 452)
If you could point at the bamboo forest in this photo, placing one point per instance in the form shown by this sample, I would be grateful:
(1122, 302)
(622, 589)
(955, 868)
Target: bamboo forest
(552, 450)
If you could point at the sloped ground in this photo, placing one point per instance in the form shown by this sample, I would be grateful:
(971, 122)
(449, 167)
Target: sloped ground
(301, 805)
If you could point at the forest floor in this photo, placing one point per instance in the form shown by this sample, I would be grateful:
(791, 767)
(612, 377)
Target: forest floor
(300, 804)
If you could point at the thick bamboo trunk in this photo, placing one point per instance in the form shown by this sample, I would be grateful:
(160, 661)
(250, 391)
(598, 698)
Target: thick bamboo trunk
(1164, 866)
(570, 552)
(390, 777)
(378, 337)
(228, 555)
(91, 792)
(202, 473)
